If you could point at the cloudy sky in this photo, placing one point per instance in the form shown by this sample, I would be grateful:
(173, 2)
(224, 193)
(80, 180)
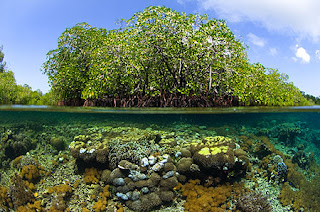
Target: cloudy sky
(284, 35)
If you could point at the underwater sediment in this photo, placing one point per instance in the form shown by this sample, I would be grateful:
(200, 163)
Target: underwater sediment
(168, 162)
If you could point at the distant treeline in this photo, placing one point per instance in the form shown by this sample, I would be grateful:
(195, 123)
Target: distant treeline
(315, 100)
(11, 93)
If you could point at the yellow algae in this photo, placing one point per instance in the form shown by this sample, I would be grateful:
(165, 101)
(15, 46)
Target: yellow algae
(167, 140)
(213, 150)
(204, 151)
(215, 140)
(216, 150)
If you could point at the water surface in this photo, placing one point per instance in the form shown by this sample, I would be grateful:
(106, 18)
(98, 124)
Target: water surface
(46, 137)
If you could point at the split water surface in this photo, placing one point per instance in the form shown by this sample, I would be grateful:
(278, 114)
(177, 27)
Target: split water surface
(145, 159)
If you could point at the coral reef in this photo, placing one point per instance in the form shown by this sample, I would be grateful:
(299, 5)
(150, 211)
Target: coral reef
(184, 167)
(307, 198)
(91, 175)
(19, 192)
(34, 207)
(5, 200)
(287, 132)
(145, 187)
(58, 142)
(89, 150)
(30, 172)
(101, 204)
(253, 202)
(202, 198)
(219, 155)
(304, 160)
(15, 144)
(145, 203)
(132, 151)
(112, 145)
(59, 196)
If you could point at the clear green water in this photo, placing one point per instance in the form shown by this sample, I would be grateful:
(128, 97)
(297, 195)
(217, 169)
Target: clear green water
(294, 131)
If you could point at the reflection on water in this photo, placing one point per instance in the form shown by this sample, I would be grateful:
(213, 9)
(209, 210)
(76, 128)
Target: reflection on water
(208, 159)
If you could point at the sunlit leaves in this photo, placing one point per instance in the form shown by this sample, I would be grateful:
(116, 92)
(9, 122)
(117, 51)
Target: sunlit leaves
(70, 65)
(258, 85)
(161, 50)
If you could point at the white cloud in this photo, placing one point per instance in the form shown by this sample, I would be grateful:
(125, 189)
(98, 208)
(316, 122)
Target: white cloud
(317, 54)
(299, 17)
(273, 51)
(183, 1)
(302, 54)
(256, 40)
(294, 59)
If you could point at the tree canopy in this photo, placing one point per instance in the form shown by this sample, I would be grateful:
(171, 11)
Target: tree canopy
(161, 51)
(2, 63)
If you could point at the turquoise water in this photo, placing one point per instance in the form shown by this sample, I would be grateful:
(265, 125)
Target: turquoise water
(78, 147)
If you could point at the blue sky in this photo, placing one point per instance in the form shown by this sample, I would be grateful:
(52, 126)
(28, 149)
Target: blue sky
(280, 34)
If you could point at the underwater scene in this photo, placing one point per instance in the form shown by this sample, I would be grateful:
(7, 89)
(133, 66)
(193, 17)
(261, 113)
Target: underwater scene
(86, 159)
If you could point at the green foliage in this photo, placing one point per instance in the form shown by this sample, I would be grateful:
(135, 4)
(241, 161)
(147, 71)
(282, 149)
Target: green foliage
(161, 50)
(7, 88)
(26, 96)
(258, 85)
(48, 99)
(312, 99)
(69, 66)
(2, 63)
(11, 93)
(175, 52)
